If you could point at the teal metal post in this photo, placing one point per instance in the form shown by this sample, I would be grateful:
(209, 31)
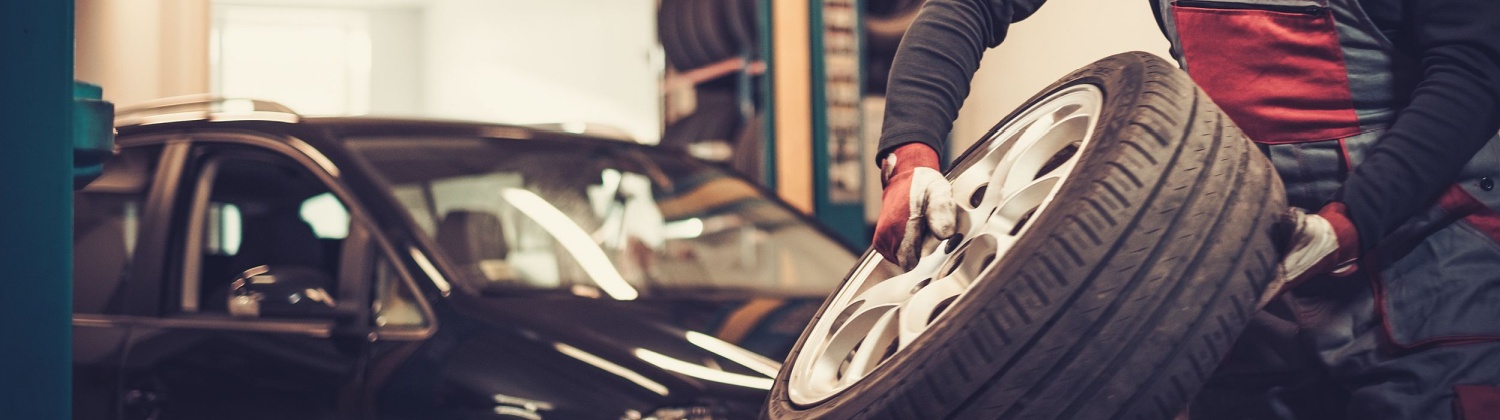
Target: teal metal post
(837, 148)
(767, 90)
(36, 99)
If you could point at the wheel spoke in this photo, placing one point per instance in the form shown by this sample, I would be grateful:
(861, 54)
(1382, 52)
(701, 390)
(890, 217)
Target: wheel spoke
(1037, 129)
(924, 306)
(1016, 212)
(1057, 144)
(971, 219)
(894, 290)
(836, 355)
(873, 349)
(1001, 178)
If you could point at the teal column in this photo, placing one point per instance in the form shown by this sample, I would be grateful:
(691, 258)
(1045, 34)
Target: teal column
(36, 90)
(767, 89)
(838, 151)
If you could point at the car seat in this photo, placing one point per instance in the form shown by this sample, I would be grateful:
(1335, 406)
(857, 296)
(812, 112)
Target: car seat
(476, 242)
(279, 238)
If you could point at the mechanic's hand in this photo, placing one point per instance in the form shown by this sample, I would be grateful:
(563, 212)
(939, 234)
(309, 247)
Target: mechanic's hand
(1316, 244)
(917, 201)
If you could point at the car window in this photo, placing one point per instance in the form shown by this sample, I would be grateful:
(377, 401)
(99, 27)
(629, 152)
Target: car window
(255, 209)
(223, 229)
(488, 236)
(323, 212)
(600, 219)
(414, 198)
(106, 224)
(395, 302)
(327, 216)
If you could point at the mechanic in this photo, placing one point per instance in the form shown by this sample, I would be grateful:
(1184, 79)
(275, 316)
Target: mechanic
(1382, 114)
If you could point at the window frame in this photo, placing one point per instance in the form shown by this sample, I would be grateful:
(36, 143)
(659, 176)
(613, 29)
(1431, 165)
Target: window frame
(170, 197)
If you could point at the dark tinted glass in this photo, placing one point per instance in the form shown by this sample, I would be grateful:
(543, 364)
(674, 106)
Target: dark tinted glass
(261, 209)
(600, 219)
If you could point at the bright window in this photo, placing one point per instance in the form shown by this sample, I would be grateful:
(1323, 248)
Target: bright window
(316, 61)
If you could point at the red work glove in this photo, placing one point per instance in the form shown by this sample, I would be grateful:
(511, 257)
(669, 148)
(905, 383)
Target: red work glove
(1316, 244)
(917, 201)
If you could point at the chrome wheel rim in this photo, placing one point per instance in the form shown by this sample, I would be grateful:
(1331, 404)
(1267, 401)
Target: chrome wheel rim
(1012, 181)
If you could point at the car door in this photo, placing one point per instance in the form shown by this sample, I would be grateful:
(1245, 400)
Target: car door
(403, 321)
(249, 204)
(110, 214)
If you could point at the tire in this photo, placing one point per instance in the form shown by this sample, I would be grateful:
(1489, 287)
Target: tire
(1118, 297)
(742, 19)
(716, 119)
(670, 33)
(713, 32)
(694, 33)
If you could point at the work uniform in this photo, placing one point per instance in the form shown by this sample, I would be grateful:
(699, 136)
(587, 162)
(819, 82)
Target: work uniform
(1388, 106)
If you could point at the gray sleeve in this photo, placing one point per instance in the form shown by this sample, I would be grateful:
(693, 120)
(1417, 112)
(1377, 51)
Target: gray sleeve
(935, 62)
(1454, 110)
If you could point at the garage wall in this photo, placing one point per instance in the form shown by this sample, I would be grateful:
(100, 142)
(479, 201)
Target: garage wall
(1064, 35)
(396, 61)
(320, 58)
(528, 61)
(140, 50)
(545, 61)
(520, 61)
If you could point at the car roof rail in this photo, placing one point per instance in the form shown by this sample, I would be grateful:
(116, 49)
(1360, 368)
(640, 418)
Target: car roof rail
(599, 130)
(203, 108)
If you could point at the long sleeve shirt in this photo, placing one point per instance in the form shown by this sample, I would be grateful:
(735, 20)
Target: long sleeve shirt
(1453, 109)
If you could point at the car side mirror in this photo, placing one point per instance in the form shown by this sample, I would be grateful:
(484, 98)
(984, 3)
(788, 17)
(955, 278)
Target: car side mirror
(281, 292)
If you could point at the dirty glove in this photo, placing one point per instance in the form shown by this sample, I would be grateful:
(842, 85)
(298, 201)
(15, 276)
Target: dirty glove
(917, 201)
(1318, 244)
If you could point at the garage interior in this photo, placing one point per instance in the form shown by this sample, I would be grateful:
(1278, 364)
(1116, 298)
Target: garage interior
(789, 78)
(667, 209)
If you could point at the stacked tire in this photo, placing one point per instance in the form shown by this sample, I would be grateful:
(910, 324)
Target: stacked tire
(698, 33)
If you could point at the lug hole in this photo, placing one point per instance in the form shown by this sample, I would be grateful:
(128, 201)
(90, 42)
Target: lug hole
(957, 261)
(978, 197)
(920, 285)
(953, 243)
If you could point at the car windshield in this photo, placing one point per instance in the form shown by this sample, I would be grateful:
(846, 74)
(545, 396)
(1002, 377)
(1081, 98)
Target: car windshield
(600, 219)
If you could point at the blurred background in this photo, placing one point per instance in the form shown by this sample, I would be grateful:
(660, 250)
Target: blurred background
(789, 92)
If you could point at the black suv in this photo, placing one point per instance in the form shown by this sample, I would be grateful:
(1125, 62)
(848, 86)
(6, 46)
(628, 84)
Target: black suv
(235, 260)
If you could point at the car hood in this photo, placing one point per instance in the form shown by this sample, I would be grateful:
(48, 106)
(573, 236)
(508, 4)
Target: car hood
(585, 358)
